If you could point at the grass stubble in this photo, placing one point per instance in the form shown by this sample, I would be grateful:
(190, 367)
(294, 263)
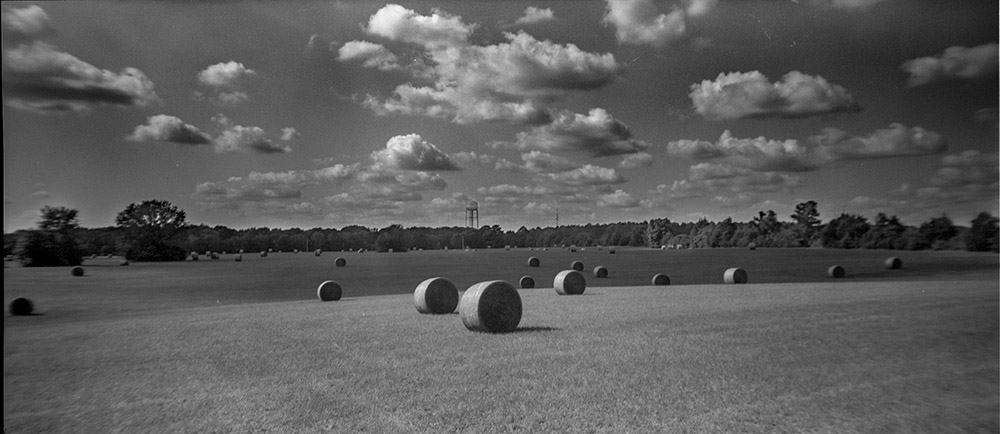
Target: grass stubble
(844, 355)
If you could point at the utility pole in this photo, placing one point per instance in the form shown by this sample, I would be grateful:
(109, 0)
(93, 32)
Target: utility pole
(557, 217)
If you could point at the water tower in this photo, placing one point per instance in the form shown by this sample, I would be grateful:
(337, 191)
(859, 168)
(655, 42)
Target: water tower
(472, 214)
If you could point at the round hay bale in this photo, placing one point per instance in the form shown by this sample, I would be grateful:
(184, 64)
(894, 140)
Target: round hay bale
(600, 272)
(576, 265)
(208, 253)
(295, 252)
(271, 251)
(569, 282)
(123, 262)
(736, 275)
(661, 279)
(436, 295)
(241, 251)
(752, 246)
(836, 271)
(534, 262)
(340, 262)
(77, 271)
(329, 291)
(239, 258)
(263, 254)
(526, 282)
(319, 252)
(611, 250)
(194, 256)
(21, 306)
(893, 263)
(491, 307)
(215, 255)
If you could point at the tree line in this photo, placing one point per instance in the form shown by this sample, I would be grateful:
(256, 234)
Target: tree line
(157, 231)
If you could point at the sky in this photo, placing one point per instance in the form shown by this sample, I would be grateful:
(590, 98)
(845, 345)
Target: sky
(328, 114)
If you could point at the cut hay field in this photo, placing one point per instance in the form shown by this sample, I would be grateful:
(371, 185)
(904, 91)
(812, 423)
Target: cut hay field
(220, 346)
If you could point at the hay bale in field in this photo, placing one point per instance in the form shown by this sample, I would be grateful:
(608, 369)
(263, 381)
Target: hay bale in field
(569, 282)
(752, 246)
(492, 307)
(263, 253)
(329, 291)
(735, 275)
(208, 253)
(295, 252)
(318, 252)
(123, 262)
(611, 250)
(21, 306)
(526, 282)
(340, 262)
(893, 263)
(76, 271)
(271, 251)
(194, 256)
(534, 262)
(215, 255)
(576, 265)
(507, 247)
(836, 271)
(660, 279)
(239, 257)
(241, 251)
(436, 295)
(600, 272)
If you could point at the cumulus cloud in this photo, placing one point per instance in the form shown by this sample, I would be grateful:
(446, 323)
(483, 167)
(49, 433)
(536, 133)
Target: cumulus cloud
(618, 199)
(588, 174)
(632, 161)
(225, 74)
(534, 15)
(639, 22)
(237, 138)
(166, 128)
(44, 79)
(28, 23)
(229, 193)
(759, 153)
(508, 190)
(439, 29)
(537, 161)
(369, 54)
(700, 7)
(708, 179)
(412, 152)
(750, 95)
(955, 63)
(510, 81)
(970, 179)
(597, 133)
(288, 133)
(466, 159)
(895, 141)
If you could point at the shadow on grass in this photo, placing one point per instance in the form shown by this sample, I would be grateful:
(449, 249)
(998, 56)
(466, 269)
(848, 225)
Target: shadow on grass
(534, 329)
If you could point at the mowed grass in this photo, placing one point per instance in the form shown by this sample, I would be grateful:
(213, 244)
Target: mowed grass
(143, 348)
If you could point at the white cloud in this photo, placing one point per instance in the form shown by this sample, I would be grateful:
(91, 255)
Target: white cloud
(238, 138)
(537, 161)
(700, 7)
(412, 152)
(710, 179)
(166, 128)
(895, 141)
(639, 22)
(759, 153)
(41, 78)
(465, 159)
(508, 190)
(370, 55)
(749, 94)
(955, 63)
(618, 199)
(288, 133)
(509, 81)
(587, 175)
(225, 74)
(26, 23)
(534, 15)
(597, 133)
(632, 161)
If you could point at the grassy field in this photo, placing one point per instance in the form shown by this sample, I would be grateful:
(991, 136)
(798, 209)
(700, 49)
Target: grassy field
(219, 346)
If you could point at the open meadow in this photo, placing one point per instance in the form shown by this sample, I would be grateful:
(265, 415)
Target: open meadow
(224, 346)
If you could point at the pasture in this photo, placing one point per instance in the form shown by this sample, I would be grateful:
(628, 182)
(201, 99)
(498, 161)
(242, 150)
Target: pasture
(225, 346)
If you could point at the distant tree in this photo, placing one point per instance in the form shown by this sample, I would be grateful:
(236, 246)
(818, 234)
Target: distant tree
(983, 235)
(54, 243)
(937, 231)
(845, 231)
(806, 217)
(150, 230)
(886, 233)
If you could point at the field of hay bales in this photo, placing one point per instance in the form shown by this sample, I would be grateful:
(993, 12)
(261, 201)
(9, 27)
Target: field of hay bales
(225, 346)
